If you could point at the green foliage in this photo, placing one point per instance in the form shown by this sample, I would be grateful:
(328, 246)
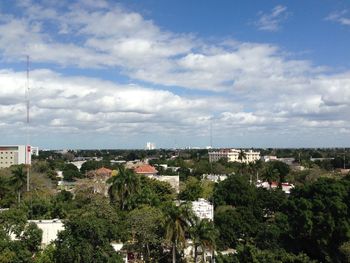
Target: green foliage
(31, 237)
(146, 227)
(192, 190)
(62, 203)
(18, 180)
(13, 221)
(177, 223)
(203, 234)
(47, 255)
(281, 168)
(345, 252)
(235, 191)
(6, 197)
(71, 172)
(123, 186)
(41, 166)
(318, 218)
(235, 225)
(88, 234)
(270, 174)
(250, 254)
(152, 192)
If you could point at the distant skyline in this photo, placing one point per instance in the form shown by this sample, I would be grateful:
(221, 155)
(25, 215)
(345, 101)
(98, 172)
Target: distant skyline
(117, 74)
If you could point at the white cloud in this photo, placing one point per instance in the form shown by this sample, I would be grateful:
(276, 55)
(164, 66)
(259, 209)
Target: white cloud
(248, 87)
(340, 17)
(272, 21)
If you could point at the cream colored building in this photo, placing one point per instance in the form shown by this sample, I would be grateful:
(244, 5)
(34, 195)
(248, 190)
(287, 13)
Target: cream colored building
(232, 155)
(14, 154)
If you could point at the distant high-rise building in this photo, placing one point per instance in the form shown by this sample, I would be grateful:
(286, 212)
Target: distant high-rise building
(15, 154)
(150, 146)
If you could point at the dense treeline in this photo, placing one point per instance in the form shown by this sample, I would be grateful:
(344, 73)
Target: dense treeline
(312, 224)
(313, 220)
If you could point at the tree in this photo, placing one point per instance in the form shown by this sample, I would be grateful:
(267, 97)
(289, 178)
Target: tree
(89, 166)
(282, 169)
(345, 251)
(235, 225)
(151, 192)
(4, 189)
(13, 221)
(250, 254)
(145, 226)
(242, 156)
(47, 255)
(88, 234)
(177, 223)
(70, 172)
(192, 190)
(32, 237)
(235, 191)
(270, 174)
(123, 186)
(203, 234)
(18, 180)
(319, 219)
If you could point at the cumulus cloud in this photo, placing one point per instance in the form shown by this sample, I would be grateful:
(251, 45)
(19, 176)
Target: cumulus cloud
(272, 21)
(240, 87)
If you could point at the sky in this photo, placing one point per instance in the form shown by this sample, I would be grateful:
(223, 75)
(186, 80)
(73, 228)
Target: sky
(117, 74)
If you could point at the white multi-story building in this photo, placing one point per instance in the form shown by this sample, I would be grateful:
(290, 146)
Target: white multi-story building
(232, 155)
(14, 154)
(203, 209)
(150, 146)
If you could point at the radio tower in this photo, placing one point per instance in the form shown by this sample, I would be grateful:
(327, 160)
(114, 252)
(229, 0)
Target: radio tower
(28, 148)
(211, 133)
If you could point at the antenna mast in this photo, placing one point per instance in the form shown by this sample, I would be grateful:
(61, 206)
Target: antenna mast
(211, 133)
(28, 148)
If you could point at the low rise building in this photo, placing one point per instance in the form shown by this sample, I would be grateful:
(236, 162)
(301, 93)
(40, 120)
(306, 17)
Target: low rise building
(233, 155)
(214, 177)
(268, 158)
(146, 169)
(285, 187)
(173, 180)
(203, 209)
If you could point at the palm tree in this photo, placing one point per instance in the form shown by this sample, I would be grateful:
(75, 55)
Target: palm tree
(252, 168)
(177, 223)
(270, 174)
(18, 180)
(242, 156)
(258, 167)
(123, 186)
(203, 234)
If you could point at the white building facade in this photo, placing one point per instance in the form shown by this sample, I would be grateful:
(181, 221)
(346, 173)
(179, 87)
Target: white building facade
(203, 209)
(50, 229)
(15, 154)
(150, 146)
(232, 155)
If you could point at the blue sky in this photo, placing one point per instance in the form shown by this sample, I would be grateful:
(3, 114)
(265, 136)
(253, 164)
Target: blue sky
(116, 74)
